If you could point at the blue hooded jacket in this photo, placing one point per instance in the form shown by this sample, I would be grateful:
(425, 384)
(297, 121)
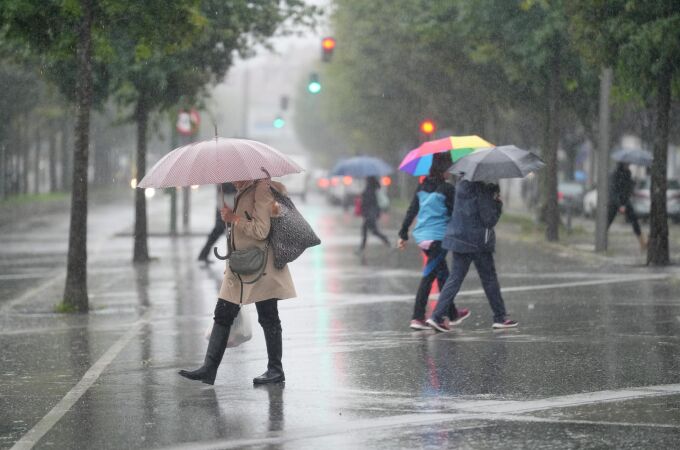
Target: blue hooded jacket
(475, 213)
(432, 204)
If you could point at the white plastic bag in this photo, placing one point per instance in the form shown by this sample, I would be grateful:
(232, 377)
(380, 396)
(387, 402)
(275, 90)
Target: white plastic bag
(241, 330)
(383, 200)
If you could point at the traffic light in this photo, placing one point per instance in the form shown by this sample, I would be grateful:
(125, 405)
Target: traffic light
(327, 47)
(279, 122)
(428, 127)
(314, 86)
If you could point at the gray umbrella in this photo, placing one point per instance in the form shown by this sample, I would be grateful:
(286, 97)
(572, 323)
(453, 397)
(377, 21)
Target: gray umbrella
(494, 163)
(633, 156)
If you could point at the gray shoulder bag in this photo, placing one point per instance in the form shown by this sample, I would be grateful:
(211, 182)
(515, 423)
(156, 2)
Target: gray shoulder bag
(249, 261)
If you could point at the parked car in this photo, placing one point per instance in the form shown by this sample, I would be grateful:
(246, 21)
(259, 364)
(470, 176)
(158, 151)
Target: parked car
(570, 197)
(642, 201)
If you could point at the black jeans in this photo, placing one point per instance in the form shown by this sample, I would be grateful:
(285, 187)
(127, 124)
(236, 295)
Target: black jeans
(435, 268)
(217, 231)
(612, 209)
(267, 313)
(371, 223)
(487, 272)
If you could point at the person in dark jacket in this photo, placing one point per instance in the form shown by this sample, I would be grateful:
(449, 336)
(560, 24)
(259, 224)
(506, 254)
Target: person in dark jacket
(621, 186)
(471, 238)
(370, 211)
(432, 204)
(219, 228)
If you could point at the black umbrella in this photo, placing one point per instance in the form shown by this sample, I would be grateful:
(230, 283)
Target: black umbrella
(635, 156)
(492, 164)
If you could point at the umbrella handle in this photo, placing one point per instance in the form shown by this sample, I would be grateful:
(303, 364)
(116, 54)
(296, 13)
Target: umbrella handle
(266, 172)
(217, 255)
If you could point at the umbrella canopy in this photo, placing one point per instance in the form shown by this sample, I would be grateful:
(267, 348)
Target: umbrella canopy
(216, 161)
(362, 166)
(419, 160)
(492, 164)
(633, 156)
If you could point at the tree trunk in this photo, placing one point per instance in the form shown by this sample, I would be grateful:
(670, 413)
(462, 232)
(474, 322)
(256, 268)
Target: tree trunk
(3, 169)
(66, 172)
(23, 155)
(552, 214)
(658, 251)
(36, 159)
(141, 252)
(53, 159)
(75, 292)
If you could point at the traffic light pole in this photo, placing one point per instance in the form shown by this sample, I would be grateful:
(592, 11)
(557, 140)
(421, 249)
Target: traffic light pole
(603, 163)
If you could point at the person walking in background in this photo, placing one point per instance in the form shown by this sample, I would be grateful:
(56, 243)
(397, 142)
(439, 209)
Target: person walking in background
(219, 228)
(370, 211)
(251, 222)
(471, 238)
(431, 206)
(621, 187)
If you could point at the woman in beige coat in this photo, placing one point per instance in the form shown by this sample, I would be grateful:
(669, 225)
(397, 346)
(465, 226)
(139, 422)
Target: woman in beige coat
(250, 219)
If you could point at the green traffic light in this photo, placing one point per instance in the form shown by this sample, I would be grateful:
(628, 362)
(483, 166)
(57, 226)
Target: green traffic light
(279, 122)
(314, 87)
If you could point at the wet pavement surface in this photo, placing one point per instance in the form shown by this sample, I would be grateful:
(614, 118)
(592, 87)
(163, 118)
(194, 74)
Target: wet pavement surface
(595, 362)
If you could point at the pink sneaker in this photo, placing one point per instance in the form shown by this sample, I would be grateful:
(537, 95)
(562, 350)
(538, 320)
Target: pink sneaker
(439, 326)
(463, 314)
(507, 323)
(418, 325)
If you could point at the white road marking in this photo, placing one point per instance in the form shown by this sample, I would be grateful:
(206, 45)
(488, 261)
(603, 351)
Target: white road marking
(50, 280)
(23, 276)
(485, 411)
(347, 298)
(32, 437)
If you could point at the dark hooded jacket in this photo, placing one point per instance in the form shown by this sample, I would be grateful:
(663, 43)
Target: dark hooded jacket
(475, 213)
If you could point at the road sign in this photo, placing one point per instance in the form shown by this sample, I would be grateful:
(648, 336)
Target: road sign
(188, 122)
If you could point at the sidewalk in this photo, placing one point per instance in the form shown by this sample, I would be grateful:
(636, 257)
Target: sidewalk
(622, 244)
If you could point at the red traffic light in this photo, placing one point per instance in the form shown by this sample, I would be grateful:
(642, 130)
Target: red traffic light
(427, 126)
(328, 44)
(327, 47)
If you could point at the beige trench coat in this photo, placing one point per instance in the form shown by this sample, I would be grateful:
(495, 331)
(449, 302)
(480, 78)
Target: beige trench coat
(257, 201)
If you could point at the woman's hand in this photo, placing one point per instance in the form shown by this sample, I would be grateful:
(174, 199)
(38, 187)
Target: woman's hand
(228, 215)
(401, 244)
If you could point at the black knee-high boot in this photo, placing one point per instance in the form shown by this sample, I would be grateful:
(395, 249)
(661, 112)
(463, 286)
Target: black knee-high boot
(274, 373)
(225, 313)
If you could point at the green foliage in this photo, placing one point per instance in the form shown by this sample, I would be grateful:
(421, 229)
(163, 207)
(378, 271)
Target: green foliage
(475, 67)
(638, 38)
(65, 308)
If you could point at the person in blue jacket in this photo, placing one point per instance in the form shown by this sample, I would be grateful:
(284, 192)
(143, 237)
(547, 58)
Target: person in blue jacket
(471, 238)
(431, 206)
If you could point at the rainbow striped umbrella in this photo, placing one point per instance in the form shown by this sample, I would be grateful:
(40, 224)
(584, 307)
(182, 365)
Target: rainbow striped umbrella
(419, 160)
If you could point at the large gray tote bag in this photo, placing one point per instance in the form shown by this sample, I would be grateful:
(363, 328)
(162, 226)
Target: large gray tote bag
(290, 233)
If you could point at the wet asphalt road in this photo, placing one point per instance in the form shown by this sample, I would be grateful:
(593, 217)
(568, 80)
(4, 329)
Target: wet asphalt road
(595, 362)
